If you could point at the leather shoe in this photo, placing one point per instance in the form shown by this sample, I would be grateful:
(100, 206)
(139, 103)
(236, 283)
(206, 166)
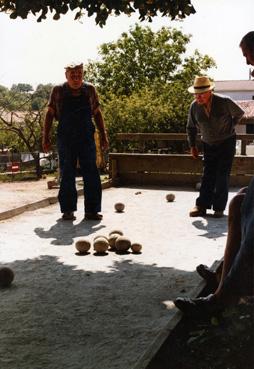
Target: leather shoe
(68, 215)
(197, 211)
(208, 275)
(198, 307)
(218, 214)
(93, 216)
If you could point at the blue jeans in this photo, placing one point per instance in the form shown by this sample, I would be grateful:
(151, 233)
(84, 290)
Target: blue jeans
(85, 152)
(218, 161)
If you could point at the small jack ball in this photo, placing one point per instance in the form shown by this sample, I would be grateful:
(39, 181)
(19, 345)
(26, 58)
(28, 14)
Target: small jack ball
(6, 276)
(170, 197)
(119, 207)
(136, 247)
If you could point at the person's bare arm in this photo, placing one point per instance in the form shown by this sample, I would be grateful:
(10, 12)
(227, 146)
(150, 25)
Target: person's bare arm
(99, 121)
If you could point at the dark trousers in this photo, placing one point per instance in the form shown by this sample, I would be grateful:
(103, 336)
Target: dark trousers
(68, 156)
(217, 166)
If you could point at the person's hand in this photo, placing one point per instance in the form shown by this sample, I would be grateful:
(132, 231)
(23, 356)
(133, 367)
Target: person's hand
(194, 152)
(104, 143)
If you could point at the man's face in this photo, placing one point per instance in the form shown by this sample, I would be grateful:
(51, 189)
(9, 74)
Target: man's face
(249, 55)
(203, 98)
(74, 77)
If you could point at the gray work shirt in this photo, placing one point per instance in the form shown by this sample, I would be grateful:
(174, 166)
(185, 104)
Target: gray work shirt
(218, 126)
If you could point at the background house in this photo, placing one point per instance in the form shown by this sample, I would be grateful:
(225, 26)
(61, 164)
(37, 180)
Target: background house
(243, 93)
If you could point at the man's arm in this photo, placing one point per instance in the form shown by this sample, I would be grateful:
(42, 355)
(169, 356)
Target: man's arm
(46, 143)
(191, 130)
(236, 112)
(98, 118)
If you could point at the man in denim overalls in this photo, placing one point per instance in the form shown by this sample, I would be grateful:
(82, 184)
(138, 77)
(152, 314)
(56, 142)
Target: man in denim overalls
(74, 105)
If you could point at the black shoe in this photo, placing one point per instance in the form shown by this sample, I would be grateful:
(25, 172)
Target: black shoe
(218, 214)
(68, 215)
(198, 307)
(208, 275)
(197, 211)
(93, 216)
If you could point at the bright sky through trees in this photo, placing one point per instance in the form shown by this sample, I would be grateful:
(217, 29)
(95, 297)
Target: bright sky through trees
(36, 53)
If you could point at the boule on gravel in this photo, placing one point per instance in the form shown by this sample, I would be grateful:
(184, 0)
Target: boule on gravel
(100, 245)
(112, 240)
(119, 207)
(136, 247)
(122, 243)
(100, 236)
(83, 246)
(170, 197)
(117, 231)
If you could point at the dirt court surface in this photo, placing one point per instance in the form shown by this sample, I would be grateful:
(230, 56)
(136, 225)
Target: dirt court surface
(100, 312)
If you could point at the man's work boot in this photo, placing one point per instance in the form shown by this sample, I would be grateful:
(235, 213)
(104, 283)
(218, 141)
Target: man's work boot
(197, 211)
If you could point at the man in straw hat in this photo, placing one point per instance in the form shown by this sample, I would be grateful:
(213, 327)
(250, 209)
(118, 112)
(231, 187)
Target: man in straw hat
(237, 274)
(215, 116)
(75, 105)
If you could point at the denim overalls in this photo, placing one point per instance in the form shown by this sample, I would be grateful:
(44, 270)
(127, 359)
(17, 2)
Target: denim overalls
(75, 141)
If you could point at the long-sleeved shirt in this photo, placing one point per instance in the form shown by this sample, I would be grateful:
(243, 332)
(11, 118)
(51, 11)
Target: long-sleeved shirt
(57, 93)
(218, 126)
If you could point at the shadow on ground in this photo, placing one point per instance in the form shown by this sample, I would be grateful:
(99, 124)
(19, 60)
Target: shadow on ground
(213, 227)
(55, 316)
(64, 232)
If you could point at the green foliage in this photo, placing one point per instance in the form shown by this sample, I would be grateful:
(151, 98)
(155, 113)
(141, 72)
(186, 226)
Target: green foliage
(137, 59)
(22, 87)
(41, 96)
(147, 9)
(142, 79)
(22, 116)
(143, 57)
(155, 109)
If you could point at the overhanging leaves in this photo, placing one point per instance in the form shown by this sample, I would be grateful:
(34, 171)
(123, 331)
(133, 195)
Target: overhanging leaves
(147, 9)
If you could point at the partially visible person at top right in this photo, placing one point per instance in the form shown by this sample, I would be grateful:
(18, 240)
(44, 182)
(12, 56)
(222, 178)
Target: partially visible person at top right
(237, 276)
(247, 46)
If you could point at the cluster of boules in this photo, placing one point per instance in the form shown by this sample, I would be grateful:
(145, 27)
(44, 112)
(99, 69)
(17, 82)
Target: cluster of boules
(120, 243)
(115, 241)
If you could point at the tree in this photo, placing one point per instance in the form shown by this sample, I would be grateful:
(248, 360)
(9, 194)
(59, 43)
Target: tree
(142, 79)
(142, 57)
(41, 95)
(18, 118)
(22, 87)
(147, 9)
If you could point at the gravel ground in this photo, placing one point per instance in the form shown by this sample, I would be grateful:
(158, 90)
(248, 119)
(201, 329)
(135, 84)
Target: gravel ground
(103, 312)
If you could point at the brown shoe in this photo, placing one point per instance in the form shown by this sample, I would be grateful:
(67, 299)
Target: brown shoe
(93, 216)
(197, 211)
(218, 214)
(68, 215)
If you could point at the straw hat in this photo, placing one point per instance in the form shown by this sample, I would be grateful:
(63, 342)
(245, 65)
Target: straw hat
(201, 84)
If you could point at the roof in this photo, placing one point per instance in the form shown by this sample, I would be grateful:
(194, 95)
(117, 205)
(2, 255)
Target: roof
(15, 116)
(248, 107)
(244, 85)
